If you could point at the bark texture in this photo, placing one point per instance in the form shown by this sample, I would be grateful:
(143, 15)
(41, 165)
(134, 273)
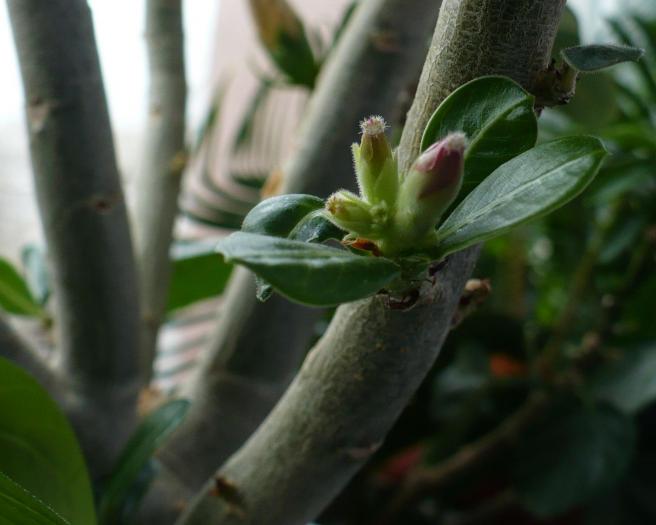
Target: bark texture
(365, 369)
(164, 159)
(84, 218)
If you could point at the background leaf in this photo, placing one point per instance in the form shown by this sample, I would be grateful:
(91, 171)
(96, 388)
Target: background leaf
(572, 458)
(37, 275)
(19, 507)
(498, 118)
(309, 273)
(599, 56)
(15, 296)
(198, 273)
(152, 432)
(38, 449)
(629, 383)
(533, 184)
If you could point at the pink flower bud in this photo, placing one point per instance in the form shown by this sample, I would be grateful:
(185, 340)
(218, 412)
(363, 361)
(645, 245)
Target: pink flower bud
(431, 185)
(443, 164)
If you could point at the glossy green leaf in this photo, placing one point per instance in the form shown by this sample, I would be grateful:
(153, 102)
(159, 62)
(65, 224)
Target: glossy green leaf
(198, 273)
(309, 273)
(150, 434)
(599, 56)
(629, 382)
(38, 449)
(314, 227)
(498, 118)
(279, 215)
(19, 507)
(15, 296)
(533, 184)
(571, 458)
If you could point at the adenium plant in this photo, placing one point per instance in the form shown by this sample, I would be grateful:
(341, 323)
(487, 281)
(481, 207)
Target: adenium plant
(478, 175)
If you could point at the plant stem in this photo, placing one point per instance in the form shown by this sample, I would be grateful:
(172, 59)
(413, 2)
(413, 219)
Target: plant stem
(84, 218)
(163, 164)
(257, 347)
(360, 376)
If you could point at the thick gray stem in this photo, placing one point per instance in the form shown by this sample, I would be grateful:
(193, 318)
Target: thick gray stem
(257, 347)
(83, 214)
(158, 183)
(363, 372)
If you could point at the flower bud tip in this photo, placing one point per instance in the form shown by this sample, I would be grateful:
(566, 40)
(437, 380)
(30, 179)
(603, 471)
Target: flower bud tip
(374, 125)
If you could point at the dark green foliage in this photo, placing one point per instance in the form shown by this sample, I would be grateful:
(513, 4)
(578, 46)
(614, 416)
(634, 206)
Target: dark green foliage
(39, 451)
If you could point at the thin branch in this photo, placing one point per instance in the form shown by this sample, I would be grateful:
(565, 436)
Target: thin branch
(163, 163)
(258, 347)
(83, 213)
(468, 459)
(360, 376)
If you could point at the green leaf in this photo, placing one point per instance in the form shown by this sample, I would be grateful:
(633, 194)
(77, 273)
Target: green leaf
(19, 507)
(309, 273)
(198, 273)
(629, 383)
(599, 56)
(314, 227)
(293, 56)
(15, 296)
(38, 449)
(498, 118)
(279, 215)
(533, 184)
(152, 432)
(568, 460)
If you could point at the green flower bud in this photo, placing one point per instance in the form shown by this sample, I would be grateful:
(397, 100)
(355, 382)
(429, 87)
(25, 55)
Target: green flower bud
(375, 165)
(351, 213)
(431, 185)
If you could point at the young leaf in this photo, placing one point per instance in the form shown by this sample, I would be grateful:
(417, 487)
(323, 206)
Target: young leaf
(279, 215)
(569, 460)
(37, 275)
(15, 296)
(498, 118)
(309, 273)
(198, 273)
(19, 507)
(533, 184)
(38, 449)
(152, 432)
(599, 56)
